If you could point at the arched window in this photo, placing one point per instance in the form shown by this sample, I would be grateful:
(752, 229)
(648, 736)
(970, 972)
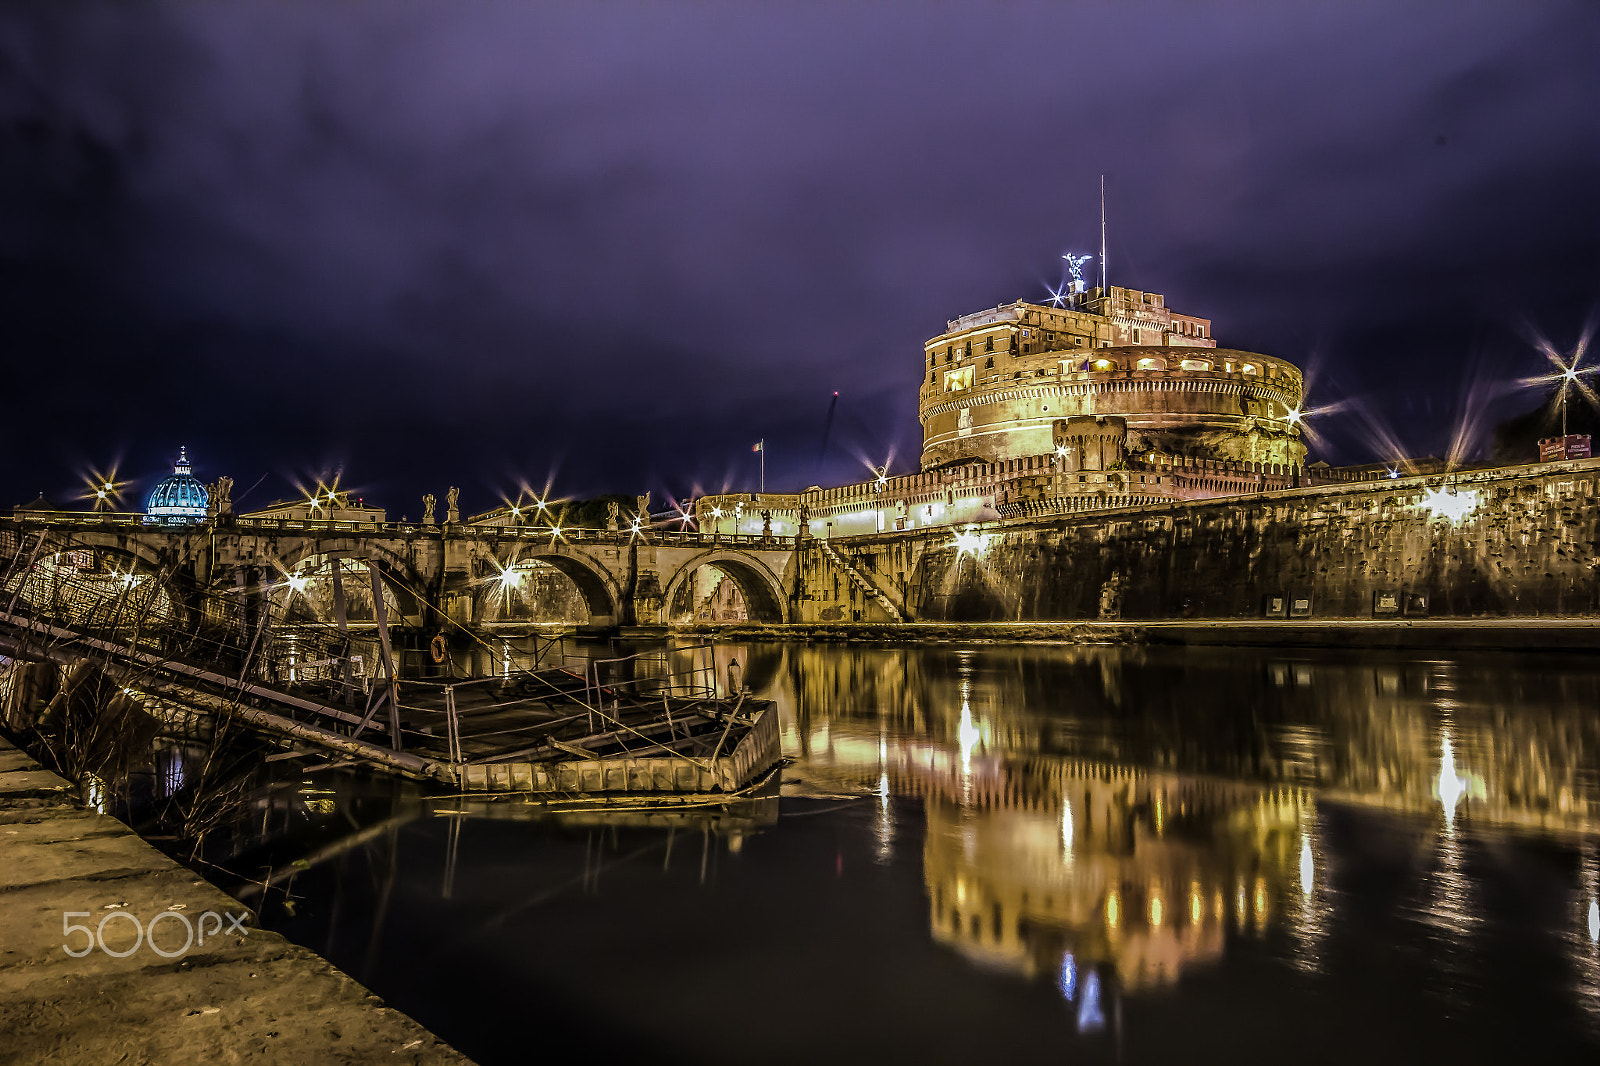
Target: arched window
(1151, 364)
(1104, 364)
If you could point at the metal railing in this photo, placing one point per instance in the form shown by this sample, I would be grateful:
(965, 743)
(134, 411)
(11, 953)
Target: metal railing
(698, 680)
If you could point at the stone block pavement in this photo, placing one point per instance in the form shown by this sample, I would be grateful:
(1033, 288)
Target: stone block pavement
(244, 995)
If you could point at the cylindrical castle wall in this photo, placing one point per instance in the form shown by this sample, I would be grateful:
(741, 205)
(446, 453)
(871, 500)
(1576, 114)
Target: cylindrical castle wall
(1236, 408)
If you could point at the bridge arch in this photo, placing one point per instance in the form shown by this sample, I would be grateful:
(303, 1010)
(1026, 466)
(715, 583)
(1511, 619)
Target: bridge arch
(596, 584)
(404, 589)
(762, 589)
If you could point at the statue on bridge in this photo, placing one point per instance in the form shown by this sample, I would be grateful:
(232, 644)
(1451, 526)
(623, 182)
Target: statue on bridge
(224, 495)
(613, 509)
(803, 530)
(766, 525)
(644, 509)
(453, 503)
(427, 509)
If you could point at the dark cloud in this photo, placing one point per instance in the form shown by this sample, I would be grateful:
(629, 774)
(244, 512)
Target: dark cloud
(440, 243)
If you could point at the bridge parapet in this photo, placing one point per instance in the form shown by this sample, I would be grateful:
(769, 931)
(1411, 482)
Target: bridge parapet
(460, 530)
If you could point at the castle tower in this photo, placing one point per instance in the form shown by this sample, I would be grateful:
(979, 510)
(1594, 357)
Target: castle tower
(996, 382)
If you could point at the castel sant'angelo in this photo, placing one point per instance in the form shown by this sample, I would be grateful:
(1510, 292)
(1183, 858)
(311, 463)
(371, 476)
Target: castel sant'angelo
(1102, 398)
(1023, 379)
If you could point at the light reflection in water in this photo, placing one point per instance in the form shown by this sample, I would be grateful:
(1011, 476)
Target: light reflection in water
(1097, 823)
(1069, 977)
(1090, 1018)
(1152, 833)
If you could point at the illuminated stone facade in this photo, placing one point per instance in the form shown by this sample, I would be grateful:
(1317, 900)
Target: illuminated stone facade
(995, 383)
(1028, 410)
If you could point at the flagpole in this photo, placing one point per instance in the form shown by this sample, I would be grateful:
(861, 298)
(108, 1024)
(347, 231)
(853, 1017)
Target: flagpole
(763, 466)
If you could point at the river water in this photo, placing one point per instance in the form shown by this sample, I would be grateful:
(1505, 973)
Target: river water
(1032, 853)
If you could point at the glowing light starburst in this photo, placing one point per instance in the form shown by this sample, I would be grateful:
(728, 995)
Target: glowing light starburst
(103, 490)
(1567, 373)
(1449, 505)
(970, 543)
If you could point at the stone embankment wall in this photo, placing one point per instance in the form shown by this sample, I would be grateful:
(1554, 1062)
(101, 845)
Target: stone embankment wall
(1525, 546)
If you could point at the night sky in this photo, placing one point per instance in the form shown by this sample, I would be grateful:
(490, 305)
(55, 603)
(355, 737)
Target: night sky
(613, 245)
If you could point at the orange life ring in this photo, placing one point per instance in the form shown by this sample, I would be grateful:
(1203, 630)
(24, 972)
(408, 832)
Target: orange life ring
(436, 647)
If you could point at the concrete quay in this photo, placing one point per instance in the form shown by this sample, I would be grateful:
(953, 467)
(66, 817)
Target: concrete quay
(243, 995)
(1434, 634)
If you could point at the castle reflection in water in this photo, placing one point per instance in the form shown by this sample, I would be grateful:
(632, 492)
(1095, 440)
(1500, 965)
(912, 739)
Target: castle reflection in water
(1108, 818)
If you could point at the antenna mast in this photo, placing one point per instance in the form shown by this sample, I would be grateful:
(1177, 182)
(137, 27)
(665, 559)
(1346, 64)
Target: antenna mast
(1104, 290)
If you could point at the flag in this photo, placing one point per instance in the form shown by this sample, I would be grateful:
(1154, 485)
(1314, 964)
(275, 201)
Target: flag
(757, 446)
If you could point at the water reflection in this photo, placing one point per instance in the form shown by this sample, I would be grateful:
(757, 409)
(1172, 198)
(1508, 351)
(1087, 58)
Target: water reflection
(1109, 819)
(1111, 829)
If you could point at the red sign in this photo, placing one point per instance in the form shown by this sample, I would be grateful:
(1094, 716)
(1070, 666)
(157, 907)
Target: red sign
(1572, 446)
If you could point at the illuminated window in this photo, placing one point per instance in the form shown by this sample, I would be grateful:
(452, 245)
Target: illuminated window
(1104, 364)
(1196, 364)
(1249, 368)
(958, 380)
(1149, 364)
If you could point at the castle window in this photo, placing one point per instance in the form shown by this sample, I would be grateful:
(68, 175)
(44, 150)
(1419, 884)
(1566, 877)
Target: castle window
(988, 344)
(1016, 374)
(933, 375)
(1145, 296)
(1104, 364)
(1149, 364)
(958, 380)
(988, 364)
(1025, 349)
(1196, 364)
(1249, 368)
(968, 352)
(1136, 336)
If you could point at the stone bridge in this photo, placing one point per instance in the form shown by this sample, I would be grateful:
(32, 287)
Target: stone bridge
(1502, 542)
(625, 579)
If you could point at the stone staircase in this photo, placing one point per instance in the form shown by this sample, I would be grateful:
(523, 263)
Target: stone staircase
(861, 581)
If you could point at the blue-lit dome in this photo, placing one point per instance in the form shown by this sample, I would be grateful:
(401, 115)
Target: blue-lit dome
(179, 499)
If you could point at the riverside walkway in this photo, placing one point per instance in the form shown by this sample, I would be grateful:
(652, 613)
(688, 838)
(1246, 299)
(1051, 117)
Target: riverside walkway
(244, 994)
